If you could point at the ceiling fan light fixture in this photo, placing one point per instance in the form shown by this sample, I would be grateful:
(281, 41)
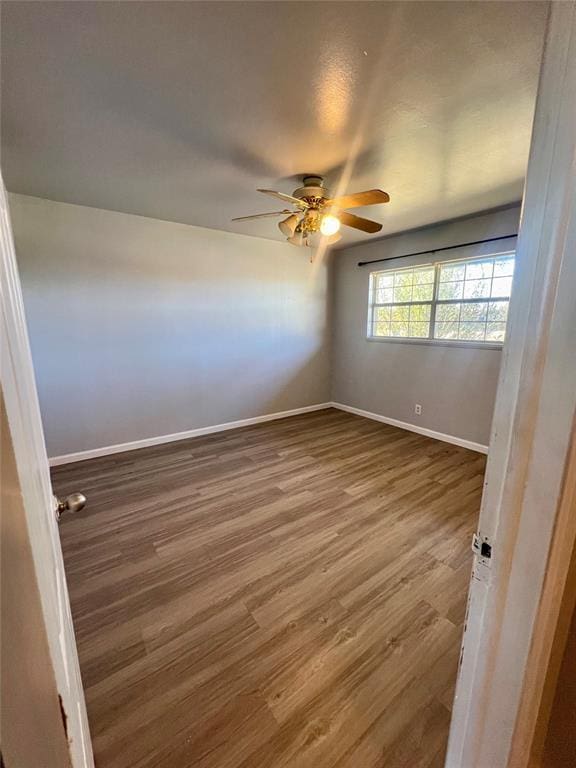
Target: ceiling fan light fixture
(296, 239)
(288, 226)
(316, 217)
(329, 225)
(333, 238)
(313, 239)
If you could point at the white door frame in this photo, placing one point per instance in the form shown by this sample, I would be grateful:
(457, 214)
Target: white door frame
(23, 411)
(531, 437)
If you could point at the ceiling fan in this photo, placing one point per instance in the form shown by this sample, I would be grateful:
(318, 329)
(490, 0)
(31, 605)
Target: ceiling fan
(314, 211)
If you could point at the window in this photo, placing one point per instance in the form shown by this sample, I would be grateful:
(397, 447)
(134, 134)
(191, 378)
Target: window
(465, 301)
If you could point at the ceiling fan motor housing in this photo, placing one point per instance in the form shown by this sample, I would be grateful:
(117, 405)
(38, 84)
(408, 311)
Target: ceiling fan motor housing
(313, 190)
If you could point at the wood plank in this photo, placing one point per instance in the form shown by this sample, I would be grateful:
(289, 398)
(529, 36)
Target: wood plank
(285, 595)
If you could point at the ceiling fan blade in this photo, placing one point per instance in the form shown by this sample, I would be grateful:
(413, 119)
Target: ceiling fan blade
(286, 198)
(262, 215)
(350, 220)
(359, 199)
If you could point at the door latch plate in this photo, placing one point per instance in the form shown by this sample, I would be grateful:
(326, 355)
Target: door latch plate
(482, 548)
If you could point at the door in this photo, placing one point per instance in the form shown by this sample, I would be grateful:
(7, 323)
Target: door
(39, 507)
(504, 653)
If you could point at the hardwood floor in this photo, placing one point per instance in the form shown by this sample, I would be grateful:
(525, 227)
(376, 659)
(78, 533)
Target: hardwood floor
(288, 595)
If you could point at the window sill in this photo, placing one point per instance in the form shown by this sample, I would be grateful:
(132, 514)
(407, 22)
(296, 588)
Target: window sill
(437, 342)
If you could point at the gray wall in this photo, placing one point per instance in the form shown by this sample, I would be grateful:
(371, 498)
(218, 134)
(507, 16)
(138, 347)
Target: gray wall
(456, 386)
(141, 328)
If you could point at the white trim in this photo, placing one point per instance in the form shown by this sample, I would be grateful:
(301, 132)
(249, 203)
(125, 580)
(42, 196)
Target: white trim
(530, 443)
(478, 447)
(23, 412)
(147, 442)
(435, 301)
(436, 342)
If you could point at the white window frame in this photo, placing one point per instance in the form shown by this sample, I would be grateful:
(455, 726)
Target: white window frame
(433, 303)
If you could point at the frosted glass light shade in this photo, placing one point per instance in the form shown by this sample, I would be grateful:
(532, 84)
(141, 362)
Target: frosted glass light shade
(329, 225)
(296, 239)
(288, 226)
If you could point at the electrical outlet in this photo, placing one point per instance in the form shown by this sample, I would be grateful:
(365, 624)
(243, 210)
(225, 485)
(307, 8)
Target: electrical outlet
(418, 409)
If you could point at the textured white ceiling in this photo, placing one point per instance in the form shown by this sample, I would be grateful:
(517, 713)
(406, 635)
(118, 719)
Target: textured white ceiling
(179, 111)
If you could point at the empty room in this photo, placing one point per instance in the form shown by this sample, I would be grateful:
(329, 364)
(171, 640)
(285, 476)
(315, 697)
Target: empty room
(272, 349)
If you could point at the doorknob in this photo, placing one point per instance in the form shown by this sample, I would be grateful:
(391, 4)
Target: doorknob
(73, 503)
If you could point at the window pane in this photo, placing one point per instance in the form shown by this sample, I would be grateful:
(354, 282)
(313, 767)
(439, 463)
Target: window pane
(381, 329)
(478, 269)
(503, 267)
(501, 286)
(419, 330)
(403, 278)
(403, 293)
(450, 290)
(424, 276)
(446, 330)
(420, 312)
(495, 331)
(385, 280)
(381, 314)
(453, 271)
(423, 292)
(399, 329)
(385, 296)
(471, 331)
(400, 313)
(498, 310)
(477, 289)
(474, 310)
(471, 300)
(448, 312)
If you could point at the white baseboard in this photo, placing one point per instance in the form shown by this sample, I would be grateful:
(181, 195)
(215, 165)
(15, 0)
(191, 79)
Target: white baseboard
(413, 428)
(107, 450)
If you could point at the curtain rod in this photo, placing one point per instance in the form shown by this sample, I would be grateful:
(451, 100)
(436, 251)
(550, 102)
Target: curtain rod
(435, 250)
